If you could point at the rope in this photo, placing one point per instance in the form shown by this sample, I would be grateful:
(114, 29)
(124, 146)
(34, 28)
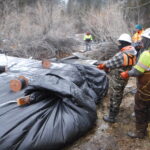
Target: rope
(4, 104)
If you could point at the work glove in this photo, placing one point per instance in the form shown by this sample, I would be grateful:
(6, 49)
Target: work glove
(124, 75)
(101, 66)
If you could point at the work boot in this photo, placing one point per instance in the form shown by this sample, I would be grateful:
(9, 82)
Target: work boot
(109, 119)
(136, 134)
(141, 131)
(23, 100)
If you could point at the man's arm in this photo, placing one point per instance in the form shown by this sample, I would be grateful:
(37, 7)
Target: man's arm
(115, 62)
(140, 68)
(134, 73)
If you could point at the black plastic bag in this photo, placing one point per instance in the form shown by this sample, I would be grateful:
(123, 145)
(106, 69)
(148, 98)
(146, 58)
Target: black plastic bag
(63, 109)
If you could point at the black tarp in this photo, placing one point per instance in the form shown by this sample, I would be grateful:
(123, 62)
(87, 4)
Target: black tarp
(67, 111)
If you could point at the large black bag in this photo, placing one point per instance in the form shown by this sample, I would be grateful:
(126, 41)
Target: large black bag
(63, 109)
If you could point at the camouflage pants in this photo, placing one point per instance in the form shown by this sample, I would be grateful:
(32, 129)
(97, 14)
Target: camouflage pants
(116, 94)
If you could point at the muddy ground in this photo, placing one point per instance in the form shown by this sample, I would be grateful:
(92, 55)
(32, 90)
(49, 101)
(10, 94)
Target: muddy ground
(105, 136)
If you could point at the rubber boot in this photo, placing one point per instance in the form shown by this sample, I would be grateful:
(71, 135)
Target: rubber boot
(141, 131)
(109, 118)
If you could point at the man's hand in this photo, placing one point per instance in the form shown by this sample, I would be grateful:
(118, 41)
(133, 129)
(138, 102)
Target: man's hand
(124, 75)
(101, 66)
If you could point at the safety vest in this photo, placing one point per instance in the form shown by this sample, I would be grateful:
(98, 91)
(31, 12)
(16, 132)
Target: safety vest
(128, 59)
(143, 84)
(143, 64)
(137, 36)
(88, 37)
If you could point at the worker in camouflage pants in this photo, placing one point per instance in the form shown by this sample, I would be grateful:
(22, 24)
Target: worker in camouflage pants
(122, 61)
(117, 85)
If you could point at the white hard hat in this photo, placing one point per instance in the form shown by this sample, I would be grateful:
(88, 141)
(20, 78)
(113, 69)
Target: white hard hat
(146, 33)
(125, 37)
